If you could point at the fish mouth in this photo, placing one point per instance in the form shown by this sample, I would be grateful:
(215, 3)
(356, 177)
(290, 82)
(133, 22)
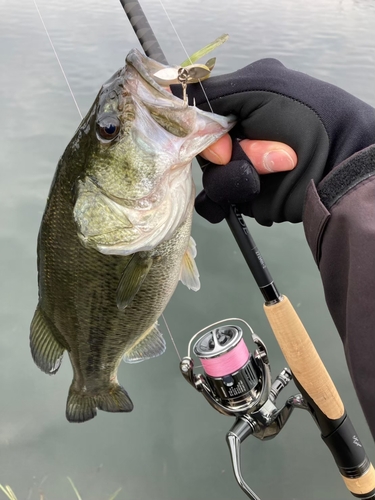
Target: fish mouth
(146, 68)
(168, 110)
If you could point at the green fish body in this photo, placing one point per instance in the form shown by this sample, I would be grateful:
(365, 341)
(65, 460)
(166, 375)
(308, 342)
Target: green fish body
(115, 236)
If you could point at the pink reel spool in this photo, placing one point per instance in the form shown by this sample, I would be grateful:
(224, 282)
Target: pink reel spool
(228, 362)
(222, 351)
(230, 369)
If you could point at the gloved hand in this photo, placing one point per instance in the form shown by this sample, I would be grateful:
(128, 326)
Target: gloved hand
(321, 122)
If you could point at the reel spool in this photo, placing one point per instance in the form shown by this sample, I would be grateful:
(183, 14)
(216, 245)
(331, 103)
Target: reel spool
(237, 380)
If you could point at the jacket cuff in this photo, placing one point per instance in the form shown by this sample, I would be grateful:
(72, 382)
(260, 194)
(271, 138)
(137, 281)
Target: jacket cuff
(320, 201)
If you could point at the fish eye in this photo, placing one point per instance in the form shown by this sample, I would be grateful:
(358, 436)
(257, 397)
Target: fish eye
(108, 128)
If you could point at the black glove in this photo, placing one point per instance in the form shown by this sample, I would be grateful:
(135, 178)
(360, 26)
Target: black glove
(238, 182)
(321, 122)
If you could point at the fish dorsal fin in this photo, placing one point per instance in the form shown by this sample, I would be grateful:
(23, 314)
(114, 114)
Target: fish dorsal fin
(46, 351)
(189, 274)
(151, 346)
(131, 280)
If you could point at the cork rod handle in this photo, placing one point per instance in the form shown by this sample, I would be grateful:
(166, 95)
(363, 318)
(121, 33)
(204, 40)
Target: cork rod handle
(302, 357)
(318, 389)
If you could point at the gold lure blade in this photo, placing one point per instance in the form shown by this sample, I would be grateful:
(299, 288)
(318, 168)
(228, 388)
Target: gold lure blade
(167, 76)
(190, 74)
(211, 63)
(197, 72)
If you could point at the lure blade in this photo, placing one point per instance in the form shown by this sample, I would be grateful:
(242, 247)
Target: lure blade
(211, 63)
(190, 74)
(166, 76)
(196, 72)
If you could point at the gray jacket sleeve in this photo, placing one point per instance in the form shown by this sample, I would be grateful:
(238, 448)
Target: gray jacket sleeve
(339, 222)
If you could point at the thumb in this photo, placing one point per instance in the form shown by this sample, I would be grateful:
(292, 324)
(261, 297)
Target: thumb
(269, 156)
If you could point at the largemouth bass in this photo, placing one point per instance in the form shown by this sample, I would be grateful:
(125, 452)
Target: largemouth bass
(115, 236)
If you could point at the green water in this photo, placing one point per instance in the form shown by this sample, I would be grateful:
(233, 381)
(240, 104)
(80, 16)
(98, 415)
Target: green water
(172, 447)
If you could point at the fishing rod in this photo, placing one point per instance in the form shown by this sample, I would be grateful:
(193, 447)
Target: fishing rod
(237, 382)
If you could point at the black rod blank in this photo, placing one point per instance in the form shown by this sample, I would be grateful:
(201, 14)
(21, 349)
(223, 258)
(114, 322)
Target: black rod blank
(143, 30)
(235, 220)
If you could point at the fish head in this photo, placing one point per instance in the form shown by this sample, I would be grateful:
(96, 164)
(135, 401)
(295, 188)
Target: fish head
(137, 187)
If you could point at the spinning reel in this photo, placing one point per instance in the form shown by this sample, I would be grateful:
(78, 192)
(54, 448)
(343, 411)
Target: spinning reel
(238, 383)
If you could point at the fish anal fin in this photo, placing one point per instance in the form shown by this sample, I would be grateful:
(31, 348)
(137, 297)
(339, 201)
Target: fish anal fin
(189, 274)
(151, 346)
(81, 407)
(46, 351)
(131, 280)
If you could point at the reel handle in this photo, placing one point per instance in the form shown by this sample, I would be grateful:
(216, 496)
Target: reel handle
(318, 390)
(240, 431)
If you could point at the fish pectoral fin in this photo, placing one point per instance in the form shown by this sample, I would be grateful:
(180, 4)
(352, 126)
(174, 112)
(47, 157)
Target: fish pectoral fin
(151, 346)
(189, 274)
(132, 279)
(81, 407)
(46, 351)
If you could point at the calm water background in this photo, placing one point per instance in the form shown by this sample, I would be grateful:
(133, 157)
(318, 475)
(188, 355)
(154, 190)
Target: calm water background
(173, 445)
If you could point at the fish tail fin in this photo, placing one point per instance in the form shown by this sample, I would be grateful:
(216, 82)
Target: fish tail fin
(115, 400)
(81, 407)
(46, 351)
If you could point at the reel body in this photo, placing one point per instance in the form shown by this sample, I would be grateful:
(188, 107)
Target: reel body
(238, 383)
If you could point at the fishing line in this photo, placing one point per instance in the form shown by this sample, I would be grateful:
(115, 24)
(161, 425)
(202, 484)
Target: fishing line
(58, 60)
(186, 52)
(170, 334)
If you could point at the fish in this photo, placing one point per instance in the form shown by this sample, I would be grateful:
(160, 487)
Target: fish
(115, 237)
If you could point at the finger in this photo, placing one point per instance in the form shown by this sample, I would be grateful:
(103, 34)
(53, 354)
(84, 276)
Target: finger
(220, 152)
(269, 156)
(266, 156)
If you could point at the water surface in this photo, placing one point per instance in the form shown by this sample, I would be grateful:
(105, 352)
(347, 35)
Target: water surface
(172, 447)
